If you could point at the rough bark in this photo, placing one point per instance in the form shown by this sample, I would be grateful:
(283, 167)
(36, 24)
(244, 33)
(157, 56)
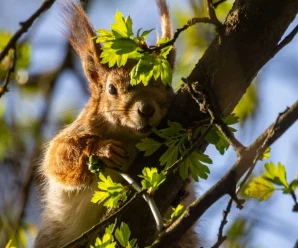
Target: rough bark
(252, 32)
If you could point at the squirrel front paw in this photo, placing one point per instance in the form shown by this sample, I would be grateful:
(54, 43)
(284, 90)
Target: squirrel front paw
(113, 153)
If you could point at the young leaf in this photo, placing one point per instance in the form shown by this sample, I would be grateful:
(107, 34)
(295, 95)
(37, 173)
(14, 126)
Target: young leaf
(174, 129)
(276, 174)
(177, 212)
(152, 179)
(96, 165)
(266, 154)
(110, 193)
(122, 27)
(9, 244)
(197, 169)
(123, 46)
(260, 188)
(231, 119)
(294, 184)
(122, 235)
(107, 240)
(169, 157)
(148, 145)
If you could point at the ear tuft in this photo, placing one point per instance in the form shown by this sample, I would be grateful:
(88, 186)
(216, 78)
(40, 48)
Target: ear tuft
(80, 36)
(166, 27)
(80, 29)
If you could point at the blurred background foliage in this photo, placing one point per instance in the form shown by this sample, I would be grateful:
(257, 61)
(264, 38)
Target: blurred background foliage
(48, 90)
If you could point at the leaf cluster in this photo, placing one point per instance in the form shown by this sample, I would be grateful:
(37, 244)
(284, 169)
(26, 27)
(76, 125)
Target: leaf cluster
(121, 236)
(110, 192)
(120, 44)
(274, 178)
(176, 140)
(152, 179)
(177, 212)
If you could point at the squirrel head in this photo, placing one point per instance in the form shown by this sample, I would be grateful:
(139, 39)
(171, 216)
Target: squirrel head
(136, 109)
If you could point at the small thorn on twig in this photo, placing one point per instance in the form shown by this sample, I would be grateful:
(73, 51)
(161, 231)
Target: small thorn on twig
(239, 202)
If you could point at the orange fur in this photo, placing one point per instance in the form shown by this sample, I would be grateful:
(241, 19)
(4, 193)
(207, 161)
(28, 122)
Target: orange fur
(109, 126)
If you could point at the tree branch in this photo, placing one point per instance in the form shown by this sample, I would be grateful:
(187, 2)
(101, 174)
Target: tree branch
(4, 88)
(172, 234)
(25, 26)
(221, 238)
(285, 41)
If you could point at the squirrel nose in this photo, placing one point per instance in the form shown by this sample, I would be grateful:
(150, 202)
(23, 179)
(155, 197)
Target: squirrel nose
(146, 110)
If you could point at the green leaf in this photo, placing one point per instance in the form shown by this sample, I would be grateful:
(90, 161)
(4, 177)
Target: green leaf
(107, 240)
(197, 169)
(216, 138)
(294, 184)
(144, 35)
(122, 235)
(169, 157)
(248, 103)
(110, 193)
(123, 46)
(9, 244)
(276, 174)
(174, 129)
(152, 179)
(222, 145)
(122, 27)
(177, 212)
(166, 72)
(266, 154)
(96, 165)
(231, 119)
(143, 71)
(260, 188)
(104, 36)
(148, 145)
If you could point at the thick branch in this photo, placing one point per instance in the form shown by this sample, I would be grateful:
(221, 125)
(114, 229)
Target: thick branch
(228, 182)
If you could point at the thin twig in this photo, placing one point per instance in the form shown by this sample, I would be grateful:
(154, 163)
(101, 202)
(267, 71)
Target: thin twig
(212, 15)
(10, 71)
(295, 207)
(285, 41)
(216, 4)
(205, 103)
(189, 23)
(220, 237)
(24, 26)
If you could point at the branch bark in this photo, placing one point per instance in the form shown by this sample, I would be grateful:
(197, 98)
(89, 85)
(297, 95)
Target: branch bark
(227, 184)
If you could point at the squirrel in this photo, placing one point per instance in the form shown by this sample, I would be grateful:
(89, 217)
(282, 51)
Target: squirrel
(115, 118)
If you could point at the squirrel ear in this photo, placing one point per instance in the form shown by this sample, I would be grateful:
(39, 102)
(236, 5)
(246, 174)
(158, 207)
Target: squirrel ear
(81, 36)
(166, 28)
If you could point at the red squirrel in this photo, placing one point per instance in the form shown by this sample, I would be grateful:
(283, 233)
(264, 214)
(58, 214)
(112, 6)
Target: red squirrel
(115, 118)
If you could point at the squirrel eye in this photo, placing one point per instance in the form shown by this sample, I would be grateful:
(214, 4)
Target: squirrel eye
(113, 89)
